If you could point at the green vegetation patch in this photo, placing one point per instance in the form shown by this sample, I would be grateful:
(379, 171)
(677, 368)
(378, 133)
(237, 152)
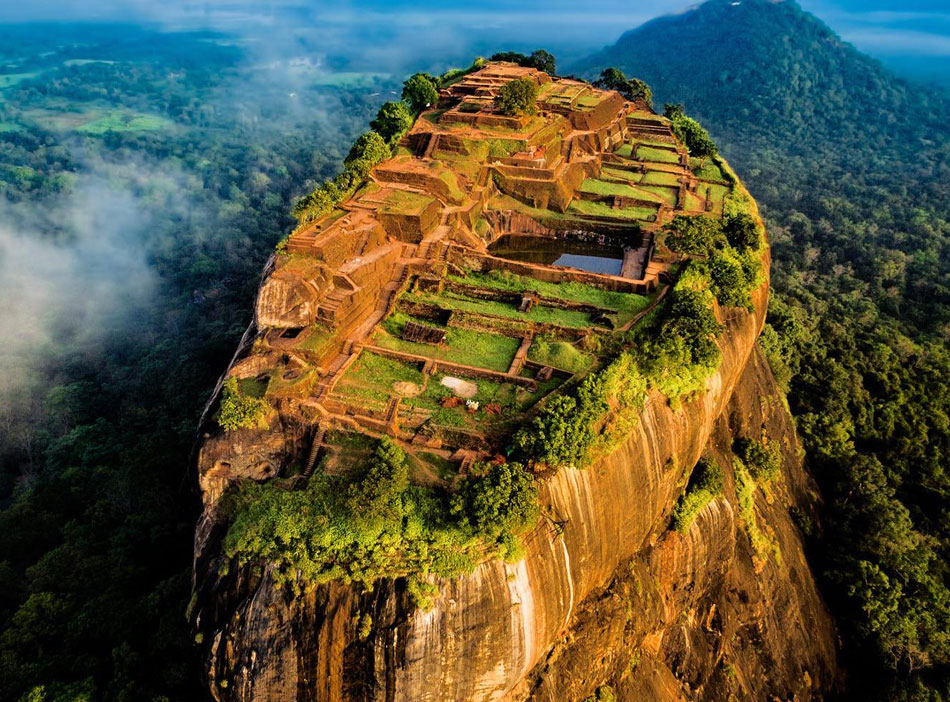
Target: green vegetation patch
(572, 428)
(667, 196)
(651, 153)
(661, 178)
(707, 169)
(599, 209)
(375, 377)
(762, 458)
(559, 354)
(119, 121)
(705, 485)
(373, 524)
(470, 348)
(539, 313)
(241, 411)
(604, 187)
(406, 202)
(625, 304)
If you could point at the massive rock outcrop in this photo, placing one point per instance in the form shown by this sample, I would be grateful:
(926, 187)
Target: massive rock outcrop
(605, 595)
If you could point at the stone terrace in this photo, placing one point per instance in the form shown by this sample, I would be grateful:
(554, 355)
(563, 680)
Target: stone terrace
(394, 315)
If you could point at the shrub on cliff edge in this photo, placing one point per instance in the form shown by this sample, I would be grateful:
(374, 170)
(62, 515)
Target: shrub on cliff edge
(238, 411)
(705, 484)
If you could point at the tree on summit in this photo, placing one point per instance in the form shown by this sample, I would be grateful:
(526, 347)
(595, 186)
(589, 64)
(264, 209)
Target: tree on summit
(420, 92)
(690, 132)
(630, 88)
(518, 97)
(392, 120)
(541, 59)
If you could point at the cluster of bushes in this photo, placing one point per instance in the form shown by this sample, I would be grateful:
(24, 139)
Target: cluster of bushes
(745, 495)
(573, 426)
(705, 484)
(730, 247)
(369, 150)
(630, 88)
(678, 351)
(540, 59)
(690, 132)
(239, 411)
(762, 458)
(375, 524)
(604, 693)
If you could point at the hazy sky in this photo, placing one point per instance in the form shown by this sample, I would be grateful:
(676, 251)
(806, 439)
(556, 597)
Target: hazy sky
(912, 33)
(881, 26)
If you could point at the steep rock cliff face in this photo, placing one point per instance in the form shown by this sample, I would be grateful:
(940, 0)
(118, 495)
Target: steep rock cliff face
(701, 615)
(605, 593)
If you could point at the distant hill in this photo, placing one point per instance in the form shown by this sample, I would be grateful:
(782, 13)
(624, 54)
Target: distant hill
(852, 167)
(758, 69)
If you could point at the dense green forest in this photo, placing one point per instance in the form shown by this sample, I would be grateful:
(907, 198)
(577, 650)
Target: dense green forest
(852, 169)
(207, 150)
(203, 152)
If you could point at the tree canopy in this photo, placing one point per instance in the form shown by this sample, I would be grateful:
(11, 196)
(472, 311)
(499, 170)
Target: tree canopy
(518, 97)
(393, 120)
(420, 92)
(632, 89)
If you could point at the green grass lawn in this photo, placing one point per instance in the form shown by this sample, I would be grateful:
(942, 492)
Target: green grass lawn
(372, 377)
(538, 313)
(650, 153)
(559, 354)
(665, 195)
(660, 178)
(318, 339)
(118, 121)
(470, 348)
(625, 304)
(599, 209)
(625, 150)
(710, 170)
(604, 187)
(406, 202)
(620, 174)
(252, 387)
(716, 193)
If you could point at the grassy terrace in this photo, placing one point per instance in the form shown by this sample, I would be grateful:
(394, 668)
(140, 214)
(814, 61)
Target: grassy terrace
(605, 187)
(469, 348)
(599, 209)
(546, 315)
(649, 178)
(560, 354)
(626, 305)
(651, 153)
(708, 170)
(373, 379)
